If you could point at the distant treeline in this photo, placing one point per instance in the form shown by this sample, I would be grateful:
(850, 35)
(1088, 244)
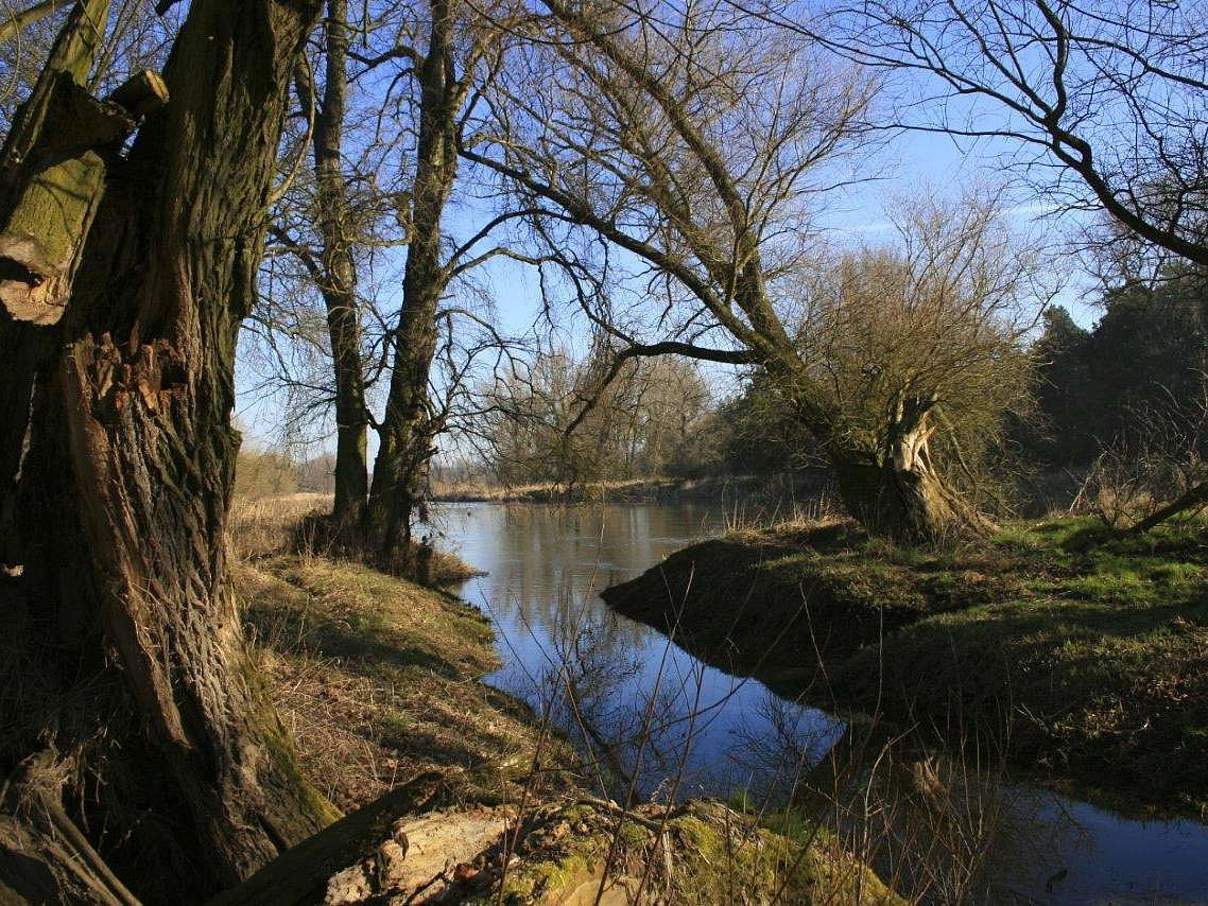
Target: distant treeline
(1138, 376)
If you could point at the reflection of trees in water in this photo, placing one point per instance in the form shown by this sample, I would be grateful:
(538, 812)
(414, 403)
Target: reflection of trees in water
(778, 744)
(547, 566)
(940, 826)
(595, 670)
(945, 826)
(546, 562)
(624, 705)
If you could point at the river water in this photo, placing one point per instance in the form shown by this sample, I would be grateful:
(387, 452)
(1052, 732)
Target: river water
(676, 727)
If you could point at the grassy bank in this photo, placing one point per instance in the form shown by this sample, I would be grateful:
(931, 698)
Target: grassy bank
(379, 682)
(1084, 659)
(378, 679)
(271, 526)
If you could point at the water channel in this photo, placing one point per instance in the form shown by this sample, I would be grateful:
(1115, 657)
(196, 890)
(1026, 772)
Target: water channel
(713, 734)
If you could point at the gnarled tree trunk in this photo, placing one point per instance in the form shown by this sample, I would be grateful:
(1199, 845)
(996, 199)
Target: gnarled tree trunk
(893, 489)
(125, 668)
(910, 503)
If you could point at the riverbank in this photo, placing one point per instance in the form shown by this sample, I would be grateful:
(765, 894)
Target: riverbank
(1084, 660)
(747, 490)
(456, 791)
(378, 680)
(264, 527)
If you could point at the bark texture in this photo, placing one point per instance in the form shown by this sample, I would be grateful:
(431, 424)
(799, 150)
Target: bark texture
(407, 431)
(339, 284)
(126, 668)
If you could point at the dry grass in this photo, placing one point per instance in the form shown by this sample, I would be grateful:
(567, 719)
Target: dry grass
(764, 493)
(542, 492)
(378, 679)
(264, 526)
(274, 526)
(790, 516)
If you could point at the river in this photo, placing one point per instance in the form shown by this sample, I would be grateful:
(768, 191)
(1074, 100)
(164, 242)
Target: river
(713, 734)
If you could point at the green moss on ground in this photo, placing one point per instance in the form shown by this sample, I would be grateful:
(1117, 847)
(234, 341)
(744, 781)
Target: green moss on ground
(715, 855)
(1085, 655)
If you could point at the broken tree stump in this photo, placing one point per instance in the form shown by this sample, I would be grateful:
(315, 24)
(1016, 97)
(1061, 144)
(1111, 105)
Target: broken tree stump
(56, 188)
(52, 172)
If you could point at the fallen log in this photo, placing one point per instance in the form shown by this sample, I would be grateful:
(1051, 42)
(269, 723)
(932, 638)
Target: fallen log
(299, 875)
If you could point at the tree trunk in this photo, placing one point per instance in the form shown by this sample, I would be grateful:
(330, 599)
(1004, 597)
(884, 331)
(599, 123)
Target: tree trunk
(339, 287)
(1194, 498)
(897, 493)
(407, 432)
(31, 165)
(12, 21)
(123, 652)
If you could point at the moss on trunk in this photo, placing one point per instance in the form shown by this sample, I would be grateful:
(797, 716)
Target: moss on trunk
(908, 502)
(169, 752)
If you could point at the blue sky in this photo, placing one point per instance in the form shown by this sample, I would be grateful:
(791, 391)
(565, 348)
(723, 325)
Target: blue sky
(909, 164)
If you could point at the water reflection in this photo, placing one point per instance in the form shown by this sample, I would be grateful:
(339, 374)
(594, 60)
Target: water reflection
(546, 567)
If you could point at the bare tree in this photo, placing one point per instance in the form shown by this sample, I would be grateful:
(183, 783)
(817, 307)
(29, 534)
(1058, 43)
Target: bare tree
(385, 169)
(641, 424)
(406, 436)
(680, 152)
(333, 268)
(460, 53)
(1107, 101)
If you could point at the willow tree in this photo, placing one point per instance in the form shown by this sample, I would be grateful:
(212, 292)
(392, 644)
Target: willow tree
(1104, 103)
(406, 435)
(139, 743)
(693, 146)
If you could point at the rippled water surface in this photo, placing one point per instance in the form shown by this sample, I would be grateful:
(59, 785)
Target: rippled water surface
(546, 567)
